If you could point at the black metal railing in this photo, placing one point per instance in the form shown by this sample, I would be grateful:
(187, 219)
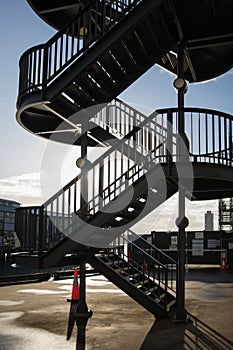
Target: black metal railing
(41, 64)
(209, 138)
(208, 133)
(121, 119)
(112, 173)
(141, 263)
(27, 228)
(107, 177)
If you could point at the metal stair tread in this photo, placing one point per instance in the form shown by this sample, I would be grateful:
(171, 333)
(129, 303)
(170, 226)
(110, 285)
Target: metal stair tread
(78, 94)
(112, 66)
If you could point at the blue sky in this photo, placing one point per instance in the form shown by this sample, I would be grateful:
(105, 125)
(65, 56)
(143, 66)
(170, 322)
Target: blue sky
(21, 152)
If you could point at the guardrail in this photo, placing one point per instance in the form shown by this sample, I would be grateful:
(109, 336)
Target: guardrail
(41, 64)
(208, 136)
(208, 133)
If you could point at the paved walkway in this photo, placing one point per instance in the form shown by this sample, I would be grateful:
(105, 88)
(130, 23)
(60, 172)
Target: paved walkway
(34, 315)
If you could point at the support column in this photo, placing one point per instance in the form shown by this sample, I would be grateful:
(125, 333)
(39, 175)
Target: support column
(79, 312)
(182, 221)
(83, 314)
(84, 179)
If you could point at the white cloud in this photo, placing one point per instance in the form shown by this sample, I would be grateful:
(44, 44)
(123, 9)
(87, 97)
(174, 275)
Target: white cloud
(164, 217)
(24, 189)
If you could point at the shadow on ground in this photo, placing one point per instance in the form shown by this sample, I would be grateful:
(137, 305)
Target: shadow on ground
(193, 335)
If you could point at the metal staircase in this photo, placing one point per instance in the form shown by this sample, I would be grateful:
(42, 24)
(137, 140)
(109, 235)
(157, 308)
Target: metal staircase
(71, 72)
(147, 275)
(64, 227)
(68, 87)
(132, 176)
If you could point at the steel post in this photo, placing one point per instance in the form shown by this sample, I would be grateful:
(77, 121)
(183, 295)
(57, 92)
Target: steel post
(182, 221)
(82, 311)
(84, 179)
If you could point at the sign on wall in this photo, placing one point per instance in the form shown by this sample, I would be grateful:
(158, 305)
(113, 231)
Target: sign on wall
(213, 243)
(197, 247)
(199, 235)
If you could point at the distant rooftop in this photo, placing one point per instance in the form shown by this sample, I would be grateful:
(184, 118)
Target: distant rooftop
(9, 203)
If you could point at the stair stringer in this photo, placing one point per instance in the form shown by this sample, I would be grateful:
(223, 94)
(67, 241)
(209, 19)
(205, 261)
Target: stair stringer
(92, 235)
(131, 290)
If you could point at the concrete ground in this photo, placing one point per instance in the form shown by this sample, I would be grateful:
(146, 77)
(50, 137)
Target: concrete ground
(34, 316)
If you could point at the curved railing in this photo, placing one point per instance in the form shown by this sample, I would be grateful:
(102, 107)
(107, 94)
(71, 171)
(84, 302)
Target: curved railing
(209, 137)
(208, 132)
(41, 64)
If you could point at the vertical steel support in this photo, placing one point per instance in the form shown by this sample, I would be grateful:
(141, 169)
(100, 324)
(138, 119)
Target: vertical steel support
(82, 311)
(101, 184)
(181, 220)
(41, 230)
(84, 179)
(79, 312)
(45, 70)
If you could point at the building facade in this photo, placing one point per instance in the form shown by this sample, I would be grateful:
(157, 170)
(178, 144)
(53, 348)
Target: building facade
(8, 237)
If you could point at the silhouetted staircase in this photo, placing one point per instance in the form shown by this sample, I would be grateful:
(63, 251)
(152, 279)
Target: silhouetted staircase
(146, 274)
(127, 182)
(70, 73)
(68, 87)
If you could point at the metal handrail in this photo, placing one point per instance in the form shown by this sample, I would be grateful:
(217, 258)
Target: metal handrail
(172, 261)
(208, 133)
(118, 181)
(161, 272)
(66, 202)
(41, 64)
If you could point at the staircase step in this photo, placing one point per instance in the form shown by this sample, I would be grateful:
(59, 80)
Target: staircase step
(63, 106)
(124, 58)
(112, 66)
(100, 75)
(136, 48)
(171, 304)
(160, 298)
(78, 95)
(147, 36)
(151, 290)
(92, 88)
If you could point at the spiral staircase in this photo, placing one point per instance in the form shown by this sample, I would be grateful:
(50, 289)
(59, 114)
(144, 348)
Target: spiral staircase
(68, 90)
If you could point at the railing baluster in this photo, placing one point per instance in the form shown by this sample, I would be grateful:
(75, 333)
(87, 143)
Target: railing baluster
(67, 49)
(225, 138)
(69, 204)
(230, 143)
(213, 134)
(41, 230)
(206, 133)
(63, 211)
(111, 175)
(46, 69)
(219, 138)
(55, 57)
